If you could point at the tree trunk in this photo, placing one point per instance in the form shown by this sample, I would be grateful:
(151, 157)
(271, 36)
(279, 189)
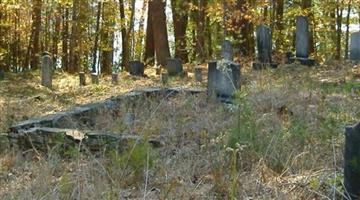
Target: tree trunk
(180, 18)
(339, 13)
(140, 38)
(279, 25)
(96, 40)
(158, 18)
(347, 35)
(200, 44)
(107, 38)
(34, 43)
(149, 53)
(65, 40)
(244, 29)
(56, 36)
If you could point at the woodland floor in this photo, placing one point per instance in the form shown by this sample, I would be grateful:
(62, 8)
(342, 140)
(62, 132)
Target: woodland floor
(289, 144)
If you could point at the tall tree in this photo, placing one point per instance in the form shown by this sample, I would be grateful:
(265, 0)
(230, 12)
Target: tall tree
(180, 19)
(107, 38)
(279, 24)
(339, 16)
(96, 40)
(65, 38)
(32, 56)
(347, 34)
(158, 19)
(200, 33)
(149, 53)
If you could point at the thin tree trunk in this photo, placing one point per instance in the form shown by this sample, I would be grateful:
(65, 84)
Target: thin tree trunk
(339, 13)
(34, 44)
(96, 41)
(107, 40)
(347, 35)
(65, 41)
(200, 44)
(140, 38)
(180, 18)
(56, 36)
(149, 53)
(279, 25)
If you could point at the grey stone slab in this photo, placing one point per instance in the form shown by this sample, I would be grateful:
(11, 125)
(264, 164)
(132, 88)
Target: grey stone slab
(227, 52)
(223, 80)
(264, 44)
(355, 46)
(352, 162)
(46, 71)
(174, 66)
(136, 68)
(302, 37)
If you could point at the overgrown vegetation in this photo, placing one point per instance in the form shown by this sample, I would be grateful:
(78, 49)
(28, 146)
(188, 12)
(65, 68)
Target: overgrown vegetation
(282, 139)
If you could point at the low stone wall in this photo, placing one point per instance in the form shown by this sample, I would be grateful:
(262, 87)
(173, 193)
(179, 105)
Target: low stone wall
(48, 131)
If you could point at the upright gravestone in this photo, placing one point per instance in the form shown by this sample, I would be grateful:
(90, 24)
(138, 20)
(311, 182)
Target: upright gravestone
(264, 47)
(198, 74)
(355, 46)
(227, 50)
(114, 78)
(2, 74)
(224, 75)
(174, 66)
(136, 68)
(352, 162)
(46, 70)
(302, 43)
(95, 78)
(82, 79)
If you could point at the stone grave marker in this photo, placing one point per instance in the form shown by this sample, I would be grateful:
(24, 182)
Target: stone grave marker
(136, 68)
(198, 74)
(355, 46)
(264, 47)
(302, 44)
(46, 70)
(82, 79)
(164, 78)
(223, 79)
(227, 51)
(114, 78)
(95, 78)
(174, 66)
(352, 160)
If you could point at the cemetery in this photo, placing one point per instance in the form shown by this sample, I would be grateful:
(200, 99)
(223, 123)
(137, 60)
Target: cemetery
(179, 100)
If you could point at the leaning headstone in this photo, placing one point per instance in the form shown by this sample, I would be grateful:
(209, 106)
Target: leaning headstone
(115, 78)
(82, 79)
(227, 51)
(46, 70)
(352, 162)
(198, 74)
(174, 66)
(355, 46)
(302, 44)
(2, 74)
(95, 78)
(223, 79)
(264, 47)
(136, 68)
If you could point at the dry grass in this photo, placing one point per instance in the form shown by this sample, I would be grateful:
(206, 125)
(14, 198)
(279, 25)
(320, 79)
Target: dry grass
(285, 130)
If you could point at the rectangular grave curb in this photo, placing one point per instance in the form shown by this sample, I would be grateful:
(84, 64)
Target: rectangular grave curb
(78, 114)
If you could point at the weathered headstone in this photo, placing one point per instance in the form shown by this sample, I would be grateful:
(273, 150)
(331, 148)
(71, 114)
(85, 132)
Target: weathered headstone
(174, 66)
(2, 74)
(114, 78)
(198, 74)
(288, 56)
(223, 79)
(164, 77)
(355, 46)
(264, 47)
(46, 70)
(302, 37)
(95, 78)
(352, 162)
(136, 68)
(82, 79)
(227, 51)
(302, 44)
